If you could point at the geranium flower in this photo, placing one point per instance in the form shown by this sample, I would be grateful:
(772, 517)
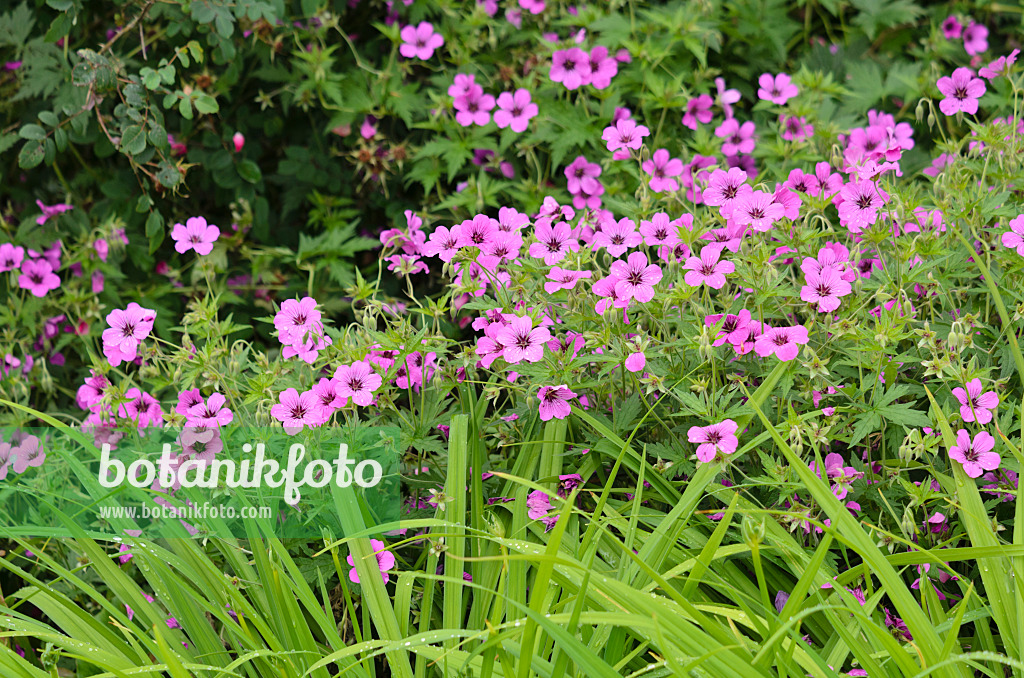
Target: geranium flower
(602, 67)
(698, 110)
(10, 257)
(952, 28)
(212, 414)
(962, 91)
(794, 128)
(662, 168)
(758, 210)
(976, 456)
(861, 202)
(532, 6)
(824, 288)
(538, 505)
(738, 138)
(636, 277)
(90, 394)
(1000, 66)
(725, 97)
(473, 108)
(127, 329)
(295, 410)
(636, 361)
(1014, 238)
(975, 405)
(515, 109)
(563, 279)
(733, 330)
(726, 186)
(357, 381)
(523, 341)
(141, 408)
(784, 342)
(51, 211)
(554, 402)
(37, 277)
(975, 38)
(554, 242)
(617, 236)
(715, 438)
(660, 230)
(444, 243)
(385, 561)
(625, 134)
(778, 89)
(707, 269)
(571, 67)
(419, 41)
(296, 319)
(196, 235)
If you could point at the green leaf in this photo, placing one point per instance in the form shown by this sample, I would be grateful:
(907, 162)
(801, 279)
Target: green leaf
(31, 131)
(31, 154)
(879, 14)
(249, 171)
(168, 175)
(155, 230)
(133, 140)
(185, 108)
(206, 104)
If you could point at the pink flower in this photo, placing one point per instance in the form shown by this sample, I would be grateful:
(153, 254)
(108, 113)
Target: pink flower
(636, 277)
(571, 67)
(582, 175)
(554, 402)
(975, 405)
(141, 408)
(738, 138)
(538, 504)
(50, 211)
(102, 249)
(952, 28)
(662, 168)
(195, 235)
(186, 399)
(357, 381)
(1000, 66)
(37, 277)
(725, 97)
(127, 329)
(782, 341)
(602, 67)
(724, 187)
(10, 257)
(295, 410)
(444, 243)
(563, 279)
(861, 201)
(1014, 238)
(975, 39)
(758, 210)
(212, 414)
(778, 89)
(625, 134)
(532, 6)
(977, 455)
(90, 394)
(713, 439)
(522, 341)
(824, 287)
(473, 108)
(553, 242)
(698, 110)
(794, 128)
(385, 561)
(296, 320)
(238, 140)
(707, 269)
(962, 91)
(661, 231)
(515, 109)
(635, 362)
(419, 42)
(617, 236)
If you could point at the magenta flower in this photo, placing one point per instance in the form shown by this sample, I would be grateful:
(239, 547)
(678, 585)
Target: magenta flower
(385, 561)
(538, 504)
(602, 67)
(127, 329)
(698, 110)
(738, 138)
(662, 168)
(295, 410)
(636, 277)
(357, 381)
(952, 28)
(195, 235)
(758, 210)
(824, 287)
(532, 6)
(238, 141)
(582, 175)
(28, 454)
(784, 342)
(296, 320)
(778, 89)
(90, 394)
(515, 109)
(733, 330)
(419, 42)
(563, 279)
(186, 399)
(975, 39)
(553, 242)
(1000, 66)
(636, 361)
(212, 414)
(142, 408)
(975, 405)
(1014, 238)
(660, 230)
(625, 134)
(617, 236)
(725, 97)
(554, 402)
(571, 67)
(10, 257)
(51, 211)
(522, 341)
(861, 202)
(977, 455)
(444, 243)
(794, 128)
(724, 187)
(37, 277)
(713, 439)
(707, 269)
(962, 91)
